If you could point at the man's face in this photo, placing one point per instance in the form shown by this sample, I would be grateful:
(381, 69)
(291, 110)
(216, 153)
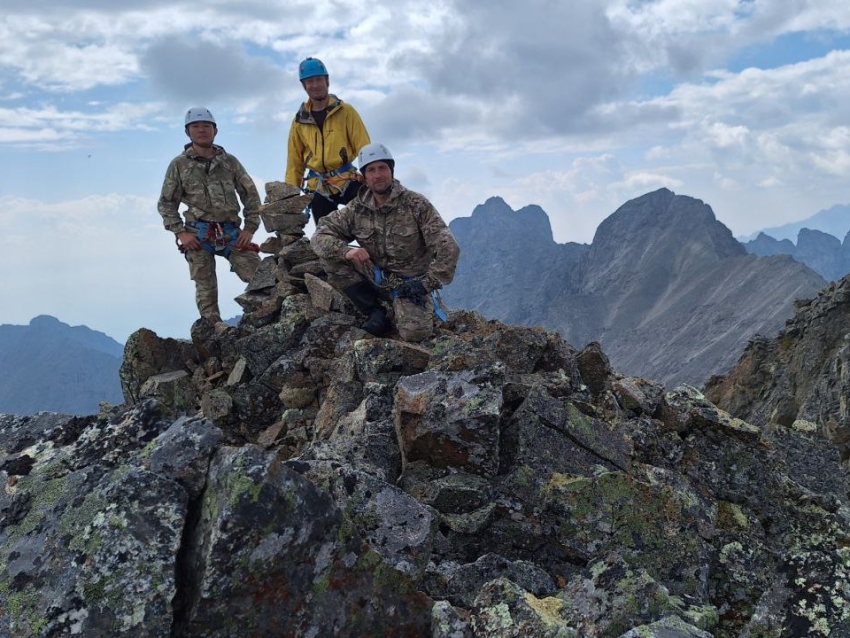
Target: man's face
(317, 87)
(379, 177)
(201, 133)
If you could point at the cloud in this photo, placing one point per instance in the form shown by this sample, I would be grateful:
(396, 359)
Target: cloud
(52, 129)
(206, 71)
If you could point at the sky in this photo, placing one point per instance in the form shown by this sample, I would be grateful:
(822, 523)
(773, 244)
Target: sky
(575, 106)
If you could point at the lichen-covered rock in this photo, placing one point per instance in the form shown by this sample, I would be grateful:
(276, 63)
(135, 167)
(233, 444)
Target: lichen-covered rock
(88, 544)
(460, 584)
(395, 525)
(490, 481)
(173, 391)
(450, 419)
(670, 627)
(615, 598)
(182, 453)
(504, 610)
(293, 574)
(146, 354)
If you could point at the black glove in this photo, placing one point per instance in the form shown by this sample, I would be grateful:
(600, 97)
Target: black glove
(413, 290)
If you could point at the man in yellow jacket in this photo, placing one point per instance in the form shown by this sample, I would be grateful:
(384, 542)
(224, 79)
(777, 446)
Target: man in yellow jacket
(324, 139)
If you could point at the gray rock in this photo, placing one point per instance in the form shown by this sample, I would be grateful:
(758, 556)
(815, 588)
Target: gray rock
(182, 453)
(294, 573)
(449, 419)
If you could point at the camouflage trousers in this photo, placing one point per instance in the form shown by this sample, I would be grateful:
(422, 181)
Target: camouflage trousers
(202, 271)
(413, 322)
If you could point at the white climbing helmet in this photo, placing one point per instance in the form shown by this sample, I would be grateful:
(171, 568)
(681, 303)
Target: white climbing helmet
(375, 152)
(199, 114)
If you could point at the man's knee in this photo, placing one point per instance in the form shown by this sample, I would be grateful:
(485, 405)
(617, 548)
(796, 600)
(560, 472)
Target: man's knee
(413, 322)
(244, 263)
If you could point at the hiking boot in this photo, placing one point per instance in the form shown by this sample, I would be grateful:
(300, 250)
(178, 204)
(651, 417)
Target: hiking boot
(377, 324)
(365, 297)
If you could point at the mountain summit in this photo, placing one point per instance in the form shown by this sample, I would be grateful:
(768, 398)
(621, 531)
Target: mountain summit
(664, 286)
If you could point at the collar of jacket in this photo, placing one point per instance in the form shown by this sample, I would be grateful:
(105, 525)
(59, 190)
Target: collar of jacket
(189, 152)
(367, 198)
(303, 115)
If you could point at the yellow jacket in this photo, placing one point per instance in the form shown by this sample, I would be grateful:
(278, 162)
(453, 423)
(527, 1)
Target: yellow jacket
(325, 150)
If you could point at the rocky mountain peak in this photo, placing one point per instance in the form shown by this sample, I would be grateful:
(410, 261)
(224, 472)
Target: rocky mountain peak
(49, 365)
(294, 476)
(664, 287)
(659, 232)
(495, 220)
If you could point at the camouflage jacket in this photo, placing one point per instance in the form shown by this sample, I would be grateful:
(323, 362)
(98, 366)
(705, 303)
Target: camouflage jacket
(406, 236)
(209, 188)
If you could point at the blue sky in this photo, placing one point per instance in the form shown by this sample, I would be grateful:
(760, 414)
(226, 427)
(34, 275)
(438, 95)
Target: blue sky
(576, 107)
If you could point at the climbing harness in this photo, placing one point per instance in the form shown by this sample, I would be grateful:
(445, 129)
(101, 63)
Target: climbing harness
(216, 238)
(381, 278)
(330, 183)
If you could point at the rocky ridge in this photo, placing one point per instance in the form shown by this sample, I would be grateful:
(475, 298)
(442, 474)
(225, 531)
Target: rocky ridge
(801, 377)
(294, 476)
(822, 252)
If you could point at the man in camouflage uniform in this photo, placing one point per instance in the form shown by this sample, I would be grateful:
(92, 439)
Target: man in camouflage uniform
(207, 179)
(405, 248)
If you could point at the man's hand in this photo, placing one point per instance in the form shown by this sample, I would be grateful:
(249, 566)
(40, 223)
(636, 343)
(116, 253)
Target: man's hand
(359, 256)
(413, 290)
(244, 239)
(189, 241)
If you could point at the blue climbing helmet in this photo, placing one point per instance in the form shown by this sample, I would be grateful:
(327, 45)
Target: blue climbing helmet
(310, 68)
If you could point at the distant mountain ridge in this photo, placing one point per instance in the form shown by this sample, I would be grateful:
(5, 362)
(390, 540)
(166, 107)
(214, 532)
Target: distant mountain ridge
(664, 286)
(49, 365)
(822, 252)
(834, 221)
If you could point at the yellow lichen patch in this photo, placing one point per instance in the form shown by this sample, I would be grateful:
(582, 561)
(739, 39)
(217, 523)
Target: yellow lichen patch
(735, 423)
(558, 481)
(801, 425)
(731, 516)
(548, 609)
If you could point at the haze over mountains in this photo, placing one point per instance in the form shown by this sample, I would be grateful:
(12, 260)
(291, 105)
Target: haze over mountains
(664, 286)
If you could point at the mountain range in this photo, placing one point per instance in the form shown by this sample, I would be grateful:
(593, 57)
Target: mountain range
(664, 286)
(821, 251)
(49, 365)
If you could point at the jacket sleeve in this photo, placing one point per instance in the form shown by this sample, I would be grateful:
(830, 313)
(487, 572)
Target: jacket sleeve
(295, 164)
(331, 238)
(441, 244)
(169, 199)
(249, 196)
(357, 134)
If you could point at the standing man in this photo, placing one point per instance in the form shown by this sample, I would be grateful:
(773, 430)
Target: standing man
(208, 179)
(405, 248)
(324, 139)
